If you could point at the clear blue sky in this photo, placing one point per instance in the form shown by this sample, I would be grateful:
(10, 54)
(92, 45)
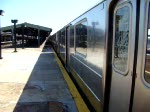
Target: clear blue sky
(49, 13)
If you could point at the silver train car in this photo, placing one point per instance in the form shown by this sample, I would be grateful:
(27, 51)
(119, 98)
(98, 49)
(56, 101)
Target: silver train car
(107, 52)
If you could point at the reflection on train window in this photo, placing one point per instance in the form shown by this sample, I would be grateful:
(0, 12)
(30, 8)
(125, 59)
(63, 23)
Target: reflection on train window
(121, 38)
(81, 38)
(147, 58)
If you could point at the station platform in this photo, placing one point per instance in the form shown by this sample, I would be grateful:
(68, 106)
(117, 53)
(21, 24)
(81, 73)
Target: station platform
(31, 80)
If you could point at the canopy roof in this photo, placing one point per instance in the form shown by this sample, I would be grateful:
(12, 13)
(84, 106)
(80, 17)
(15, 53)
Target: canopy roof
(29, 29)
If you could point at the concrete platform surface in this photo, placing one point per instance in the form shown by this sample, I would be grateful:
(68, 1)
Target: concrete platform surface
(31, 81)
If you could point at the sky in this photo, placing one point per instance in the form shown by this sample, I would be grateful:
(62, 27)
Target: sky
(49, 13)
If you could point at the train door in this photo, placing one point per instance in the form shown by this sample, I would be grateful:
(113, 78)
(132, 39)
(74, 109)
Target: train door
(67, 45)
(141, 102)
(63, 45)
(59, 42)
(122, 60)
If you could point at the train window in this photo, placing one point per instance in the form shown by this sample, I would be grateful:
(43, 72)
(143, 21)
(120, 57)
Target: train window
(121, 39)
(81, 38)
(147, 58)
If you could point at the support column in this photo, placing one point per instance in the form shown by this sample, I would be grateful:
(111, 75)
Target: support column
(27, 39)
(14, 32)
(38, 37)
(22, 36)
(1, 14)
(15, 37)
(0, 44)
(12, 36)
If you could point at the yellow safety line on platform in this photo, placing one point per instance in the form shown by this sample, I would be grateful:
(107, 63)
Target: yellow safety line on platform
(82, 107)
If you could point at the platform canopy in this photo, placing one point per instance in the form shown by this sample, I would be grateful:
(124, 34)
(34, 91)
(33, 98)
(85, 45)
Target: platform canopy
(26, 31)
(29, 29)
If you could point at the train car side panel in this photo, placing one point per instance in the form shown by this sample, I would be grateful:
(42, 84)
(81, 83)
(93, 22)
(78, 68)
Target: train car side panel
(141, 102)
(87, 51)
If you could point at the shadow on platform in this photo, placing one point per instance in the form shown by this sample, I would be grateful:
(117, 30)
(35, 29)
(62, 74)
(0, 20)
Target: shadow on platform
(44, 89)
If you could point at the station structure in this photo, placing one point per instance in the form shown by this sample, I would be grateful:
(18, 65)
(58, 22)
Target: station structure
(26, 34)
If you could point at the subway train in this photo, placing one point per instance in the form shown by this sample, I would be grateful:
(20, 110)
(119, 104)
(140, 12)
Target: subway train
(107, 52)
